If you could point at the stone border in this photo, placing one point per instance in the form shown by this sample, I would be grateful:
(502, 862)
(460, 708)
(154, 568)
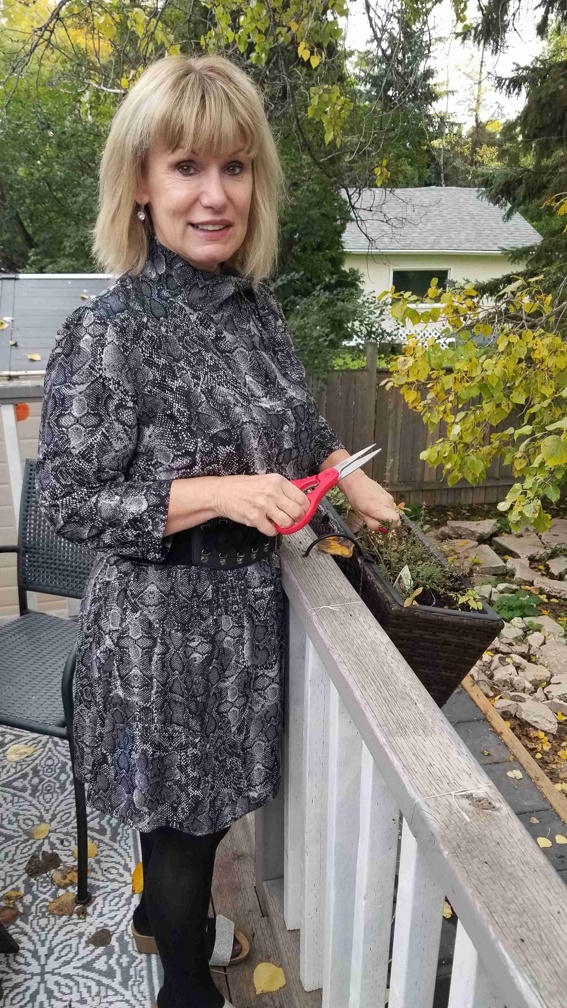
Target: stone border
(540, 779)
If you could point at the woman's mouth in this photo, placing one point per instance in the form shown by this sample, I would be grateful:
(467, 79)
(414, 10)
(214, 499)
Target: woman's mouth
(216, 232)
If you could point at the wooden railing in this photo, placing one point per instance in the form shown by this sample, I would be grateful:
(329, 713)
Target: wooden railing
(369, 755)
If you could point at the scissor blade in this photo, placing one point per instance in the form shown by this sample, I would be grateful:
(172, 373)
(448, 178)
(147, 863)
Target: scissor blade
(354, 462)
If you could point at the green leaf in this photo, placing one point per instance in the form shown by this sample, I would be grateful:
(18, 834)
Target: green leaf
(554, 450)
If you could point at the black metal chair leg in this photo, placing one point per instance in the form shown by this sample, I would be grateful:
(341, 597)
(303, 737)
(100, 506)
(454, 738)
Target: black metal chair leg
(83, 895)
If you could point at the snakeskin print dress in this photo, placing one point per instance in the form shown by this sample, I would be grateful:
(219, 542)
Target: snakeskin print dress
(176, 372)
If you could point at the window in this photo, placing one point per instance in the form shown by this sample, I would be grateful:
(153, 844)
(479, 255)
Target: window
(418, 281)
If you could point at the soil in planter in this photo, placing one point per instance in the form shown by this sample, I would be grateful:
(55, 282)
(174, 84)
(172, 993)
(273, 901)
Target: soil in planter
(396, 548)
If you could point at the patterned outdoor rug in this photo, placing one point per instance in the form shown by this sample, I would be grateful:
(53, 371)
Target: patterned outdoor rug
(57, 965)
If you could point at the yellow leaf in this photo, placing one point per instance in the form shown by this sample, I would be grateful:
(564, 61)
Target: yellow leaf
(18, 751)
(544, 842)
(447, 910)
(39, 832)
(336, 545)
(65, 875)
(538, 755)
(516, 774)
(33, 356)
(268, 978)
(560, 716)
(533, 819)
(12, 895)
(3, 325)
(138, 878)
(315, 60)
(63, 905)
(293, 25)
(92, 849)
(559, 838)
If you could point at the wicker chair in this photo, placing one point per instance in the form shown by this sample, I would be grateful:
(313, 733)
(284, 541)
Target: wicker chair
(38, 651)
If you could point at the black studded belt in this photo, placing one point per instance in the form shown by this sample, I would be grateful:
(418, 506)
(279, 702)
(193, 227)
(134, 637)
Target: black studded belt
(221, 544)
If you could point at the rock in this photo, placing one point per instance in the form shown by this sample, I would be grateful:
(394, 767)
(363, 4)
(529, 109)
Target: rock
(460, 546)
(521, 685)
(557, 565)
(556, 690)
(557, 706)
(502, 706)
(538, 715)
(485, 686)
(510, 633)
(554, 656)
(557, 589)
(524, 546)
(503, 679)
(517, 621)
(490, 562)
(550, 626)
(540, 695)
(479, 530)
(442, 532)
(505, 588)
(485, 590)
(512, 695)
(521, 570)
(556, 534)
(534, 674)
(535, 639)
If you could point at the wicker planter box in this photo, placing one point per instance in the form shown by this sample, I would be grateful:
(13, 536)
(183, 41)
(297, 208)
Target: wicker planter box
(440, 645)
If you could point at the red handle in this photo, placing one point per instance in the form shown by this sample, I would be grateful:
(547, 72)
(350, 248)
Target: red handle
(321, 483)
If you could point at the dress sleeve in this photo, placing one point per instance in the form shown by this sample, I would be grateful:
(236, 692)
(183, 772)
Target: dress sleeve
(87, 440)
(324, 439)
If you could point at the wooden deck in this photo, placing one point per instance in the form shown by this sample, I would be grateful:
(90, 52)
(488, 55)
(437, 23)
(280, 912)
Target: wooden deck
(234, 894)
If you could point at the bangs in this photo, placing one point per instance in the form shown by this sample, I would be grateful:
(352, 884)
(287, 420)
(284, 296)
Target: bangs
(202, 116)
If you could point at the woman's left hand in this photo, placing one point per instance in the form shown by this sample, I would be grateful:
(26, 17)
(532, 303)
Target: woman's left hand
(371, 502)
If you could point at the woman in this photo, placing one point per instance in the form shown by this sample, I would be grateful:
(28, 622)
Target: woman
(175, 414)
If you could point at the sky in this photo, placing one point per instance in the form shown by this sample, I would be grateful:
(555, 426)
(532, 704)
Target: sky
(454, 59)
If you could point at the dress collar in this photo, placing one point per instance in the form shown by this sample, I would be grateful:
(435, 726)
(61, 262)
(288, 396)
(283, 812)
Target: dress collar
(200, 289)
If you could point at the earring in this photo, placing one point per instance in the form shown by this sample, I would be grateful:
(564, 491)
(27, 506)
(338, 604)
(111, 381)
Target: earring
(141, 215)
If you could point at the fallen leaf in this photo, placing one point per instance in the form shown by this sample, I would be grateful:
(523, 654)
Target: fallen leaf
(516, 774)
(33, 356)
(63, 905)
(3, 325)
(92, 849)
(559, 838)
(18, 751)
(533, 819)
(268, 978)
(561, 787)
(543, 841)
(100, 938)
(65, 876)
(12, 895)
(447, 909)
(336, 545)
(39, 832)
(138, 878)
(40, 864)
(8, 915)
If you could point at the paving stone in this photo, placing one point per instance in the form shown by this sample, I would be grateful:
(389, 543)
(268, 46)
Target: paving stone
(479, 530)
(524, 546)
(556, 534)
(557, 565)
(549, 826)
(460, 707)
(521, 570)
(555, 657)
(490, 562)
(554, 589)
(479, 737)
(549, 625)
(522, 795)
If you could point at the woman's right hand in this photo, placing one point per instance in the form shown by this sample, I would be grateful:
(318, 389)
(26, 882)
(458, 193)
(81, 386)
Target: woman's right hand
(260, 501)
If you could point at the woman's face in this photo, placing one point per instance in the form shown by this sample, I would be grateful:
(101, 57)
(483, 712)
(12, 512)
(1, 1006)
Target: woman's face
(184, 189)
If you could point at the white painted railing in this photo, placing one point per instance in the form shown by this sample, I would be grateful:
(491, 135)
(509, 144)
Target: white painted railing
(368, 756)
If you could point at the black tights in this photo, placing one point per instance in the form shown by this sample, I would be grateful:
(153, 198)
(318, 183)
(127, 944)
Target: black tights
(178, 875)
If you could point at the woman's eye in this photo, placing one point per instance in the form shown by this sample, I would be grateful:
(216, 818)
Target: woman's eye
(185, 167)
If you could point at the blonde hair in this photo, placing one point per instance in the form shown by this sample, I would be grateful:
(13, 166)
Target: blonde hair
(205, 103)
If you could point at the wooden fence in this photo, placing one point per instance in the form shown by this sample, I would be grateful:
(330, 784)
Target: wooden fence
(368, 755)
(361, 412)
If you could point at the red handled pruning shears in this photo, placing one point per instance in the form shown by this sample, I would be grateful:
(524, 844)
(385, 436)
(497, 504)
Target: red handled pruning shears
(317, 486)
